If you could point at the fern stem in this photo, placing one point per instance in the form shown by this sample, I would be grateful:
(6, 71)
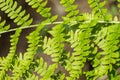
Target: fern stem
(27, 27)
(33, 26)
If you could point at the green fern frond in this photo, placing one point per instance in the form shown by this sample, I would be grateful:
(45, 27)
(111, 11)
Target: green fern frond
(71, 9)
(107, 40)
(15, 12)
(40, 7)
(54, 46)
(99, 10)
(41, 69)
(33, 40)
(3, 27)
(44, 70)
(32, 77)
(6, 63)
(80, 42)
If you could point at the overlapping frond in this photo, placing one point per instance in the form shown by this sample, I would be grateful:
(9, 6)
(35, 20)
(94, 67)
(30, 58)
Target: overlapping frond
(108, 41)
(70, 8)
(20, 70)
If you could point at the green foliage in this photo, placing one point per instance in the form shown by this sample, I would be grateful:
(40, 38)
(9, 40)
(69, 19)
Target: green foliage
(55, 49)
(99, 10)
(3, 27)
(91, 37)
(118, 4)
(80, 42)
(40, 7)
(15, 12)
(6, 63)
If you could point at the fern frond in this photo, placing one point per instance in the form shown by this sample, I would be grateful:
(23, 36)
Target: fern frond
(6, 63)
(44, 70)
(40, 7)
(80, 42)
(99, 10)
(107, 40)
(3, 27)
(58, 76)
(41, 69)
(15, 12)
(54, 46)
(32, 77)
(71, 9)
(33, 40)
(50, 71)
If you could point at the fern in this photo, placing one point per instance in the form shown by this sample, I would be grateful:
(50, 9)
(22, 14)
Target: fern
(6, 63)
(111, 54)
(72, 12)
(3, 27)
(71, 9)
(14, 12)
(45, 72)
(103, 66)
(40, 7)
(55, 49)
(80, 42)
(93, 37)
(98, 10)
(33, 40)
